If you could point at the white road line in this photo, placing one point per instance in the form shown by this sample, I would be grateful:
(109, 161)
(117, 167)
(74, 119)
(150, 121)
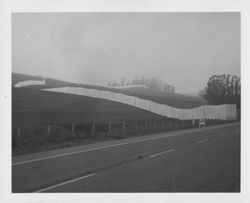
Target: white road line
(200, 141)
(160, 153)
(109, 146)
(64, 183)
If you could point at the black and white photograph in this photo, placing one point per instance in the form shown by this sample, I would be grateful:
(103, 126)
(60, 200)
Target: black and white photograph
(125, 102)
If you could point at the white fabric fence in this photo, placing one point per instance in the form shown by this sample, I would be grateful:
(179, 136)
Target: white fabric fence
(218, 112)
(29, 83)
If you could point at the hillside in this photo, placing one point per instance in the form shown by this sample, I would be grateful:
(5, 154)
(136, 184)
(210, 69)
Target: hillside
(171, 99)
(33, 110)
(33, 107)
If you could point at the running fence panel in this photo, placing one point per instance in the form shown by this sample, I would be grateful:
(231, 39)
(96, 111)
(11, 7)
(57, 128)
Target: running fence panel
(218, 112)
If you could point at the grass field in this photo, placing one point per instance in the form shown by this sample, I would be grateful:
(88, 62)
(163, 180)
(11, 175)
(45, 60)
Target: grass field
(33, 110)
(32, 107)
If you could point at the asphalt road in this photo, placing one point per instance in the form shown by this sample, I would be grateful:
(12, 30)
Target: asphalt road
(195, 160)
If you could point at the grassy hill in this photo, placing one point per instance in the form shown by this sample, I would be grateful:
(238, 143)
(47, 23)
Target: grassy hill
(33, 107)
(171, 99)
(33, 110)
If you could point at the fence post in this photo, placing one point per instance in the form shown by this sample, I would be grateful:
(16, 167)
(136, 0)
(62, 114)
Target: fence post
(136, 124)
(93, 128)
(123, 125)
(155, 124)
(73, 129)
(18, 136)
(109, 127)
(49, 130)
(18, 132)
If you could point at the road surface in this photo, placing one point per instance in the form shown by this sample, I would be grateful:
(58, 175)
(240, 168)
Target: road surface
(194, 160)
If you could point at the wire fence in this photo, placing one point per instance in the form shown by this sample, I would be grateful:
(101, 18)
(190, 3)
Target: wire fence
(24, 137)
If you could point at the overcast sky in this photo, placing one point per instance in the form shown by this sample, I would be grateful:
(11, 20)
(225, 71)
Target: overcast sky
(182, 49)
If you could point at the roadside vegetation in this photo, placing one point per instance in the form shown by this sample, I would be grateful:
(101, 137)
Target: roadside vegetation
(47, 120)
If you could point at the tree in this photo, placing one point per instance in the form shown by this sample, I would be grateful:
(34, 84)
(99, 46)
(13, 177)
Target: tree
(142, 80)
(123, 80)
(109, 84)
(135, 81)
(202, 93)
(114, 83)
(172, 89)
(222, 89)
(166, 88)
(153, 83)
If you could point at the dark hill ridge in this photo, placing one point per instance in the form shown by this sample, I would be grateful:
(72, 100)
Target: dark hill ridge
(171, 99)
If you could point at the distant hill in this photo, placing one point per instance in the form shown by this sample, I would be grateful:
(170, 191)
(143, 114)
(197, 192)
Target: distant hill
(171, 99)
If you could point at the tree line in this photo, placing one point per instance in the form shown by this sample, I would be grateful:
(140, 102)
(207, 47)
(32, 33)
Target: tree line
(222, 89)
(153, 83)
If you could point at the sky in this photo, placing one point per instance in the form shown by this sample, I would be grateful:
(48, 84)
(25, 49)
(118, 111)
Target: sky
(181, 49)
